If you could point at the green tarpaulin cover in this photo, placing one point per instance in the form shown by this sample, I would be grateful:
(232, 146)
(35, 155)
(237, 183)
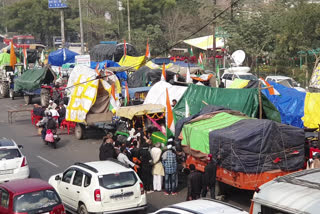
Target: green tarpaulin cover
(30, 79)
(5, 59)
(196, 135)
(243, 100)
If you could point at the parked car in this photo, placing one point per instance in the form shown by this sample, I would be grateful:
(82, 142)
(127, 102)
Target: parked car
(286, 81)
(293, 193)
(201, 206)
(228, 77)
(100, 187)
(13, 164)
(29, 196)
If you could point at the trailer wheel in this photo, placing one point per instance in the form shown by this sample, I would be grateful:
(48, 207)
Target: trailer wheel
(11, 94)
(44, 97)
(79, 131)
(4, 89)
(27, 99)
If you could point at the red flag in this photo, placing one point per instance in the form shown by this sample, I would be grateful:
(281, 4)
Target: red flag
(124, 48)
(169, 111)
(148, 51)
(163, 76)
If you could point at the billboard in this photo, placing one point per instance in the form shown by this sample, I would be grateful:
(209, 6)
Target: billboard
(57, 3)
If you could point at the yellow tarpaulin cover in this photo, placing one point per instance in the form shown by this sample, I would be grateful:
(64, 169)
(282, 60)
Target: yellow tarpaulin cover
(152, 65)
(205, 42)
(311, 117)
(239, 83)
(132, 61)
(139, 110)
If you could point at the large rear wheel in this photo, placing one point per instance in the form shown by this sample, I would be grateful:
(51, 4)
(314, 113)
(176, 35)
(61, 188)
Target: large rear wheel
(4, 89)
(79, 131)
(44, 96)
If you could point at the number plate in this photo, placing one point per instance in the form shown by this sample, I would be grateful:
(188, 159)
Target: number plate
(4, 172)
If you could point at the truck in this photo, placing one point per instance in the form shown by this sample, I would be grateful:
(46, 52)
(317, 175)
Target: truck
(20, 41)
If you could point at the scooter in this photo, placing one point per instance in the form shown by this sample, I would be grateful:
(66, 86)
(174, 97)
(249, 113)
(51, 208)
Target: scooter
(53, 138)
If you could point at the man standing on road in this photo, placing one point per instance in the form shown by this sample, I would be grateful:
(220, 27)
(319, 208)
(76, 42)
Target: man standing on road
(194, 183)
(157, 169)
(169, 161)
(209, 178)
(122, 157)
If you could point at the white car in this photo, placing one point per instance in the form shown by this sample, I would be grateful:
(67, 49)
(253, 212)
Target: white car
(13, 164)
(100, 187)
(228, 77)
(286, 81)
(201, 206)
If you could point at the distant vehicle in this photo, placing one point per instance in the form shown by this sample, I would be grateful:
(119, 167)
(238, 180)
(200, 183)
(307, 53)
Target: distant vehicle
(20, 41)
(286, 81)
(293, 193)
(29, 196)
(201, 206)
(13, 164)
(229, 77)
(100, 187)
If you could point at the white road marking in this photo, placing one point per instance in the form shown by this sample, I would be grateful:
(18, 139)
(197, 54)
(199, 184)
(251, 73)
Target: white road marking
(45, 160)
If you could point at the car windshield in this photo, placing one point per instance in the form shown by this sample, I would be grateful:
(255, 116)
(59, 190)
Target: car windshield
(248, 77)
(118, 180)
(9, 154)
(33, 201)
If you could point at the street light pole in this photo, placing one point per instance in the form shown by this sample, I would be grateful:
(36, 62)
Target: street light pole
(129, 29)
(63, 40)
(81, 28)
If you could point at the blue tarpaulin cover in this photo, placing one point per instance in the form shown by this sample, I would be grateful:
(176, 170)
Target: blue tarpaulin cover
(110, 63)
(290, 104)
(62, 56)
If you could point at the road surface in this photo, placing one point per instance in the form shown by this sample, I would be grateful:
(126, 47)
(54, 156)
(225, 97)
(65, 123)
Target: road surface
(45, 161)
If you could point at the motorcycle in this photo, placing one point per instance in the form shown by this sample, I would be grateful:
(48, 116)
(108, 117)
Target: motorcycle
(52, 138)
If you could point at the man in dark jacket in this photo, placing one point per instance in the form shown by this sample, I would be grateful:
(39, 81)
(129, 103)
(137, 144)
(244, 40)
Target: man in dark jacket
(146, 167)
(194, 183)
(209, 178)
(107, 149)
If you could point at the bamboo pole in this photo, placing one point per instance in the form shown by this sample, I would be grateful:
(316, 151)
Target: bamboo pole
(260, 102)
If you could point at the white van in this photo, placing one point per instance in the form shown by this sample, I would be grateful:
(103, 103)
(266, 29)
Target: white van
(228, 77)
(294, 193)
(286, 81)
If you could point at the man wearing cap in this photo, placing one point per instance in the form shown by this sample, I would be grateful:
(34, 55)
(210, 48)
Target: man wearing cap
(52, 105)
(169, 161)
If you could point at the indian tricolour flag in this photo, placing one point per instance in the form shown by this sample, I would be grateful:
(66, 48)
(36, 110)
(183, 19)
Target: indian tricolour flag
(200, 61)
(25, 58)
(113, 101)
(169, 118)
(163, 75)
(126, 95)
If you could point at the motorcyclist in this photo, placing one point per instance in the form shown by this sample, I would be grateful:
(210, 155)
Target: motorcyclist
(47, 123)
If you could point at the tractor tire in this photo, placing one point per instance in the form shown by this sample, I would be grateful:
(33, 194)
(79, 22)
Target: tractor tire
(27, 99)
(11, 94)
(44, 97)
(4, 89)
(79, 131)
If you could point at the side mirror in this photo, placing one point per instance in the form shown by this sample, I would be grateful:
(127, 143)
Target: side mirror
(57, 178)
(20, 146)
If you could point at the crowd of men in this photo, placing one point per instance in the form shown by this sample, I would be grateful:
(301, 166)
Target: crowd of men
(159, 167)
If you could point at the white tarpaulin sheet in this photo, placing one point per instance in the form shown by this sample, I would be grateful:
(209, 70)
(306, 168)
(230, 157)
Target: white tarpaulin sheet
(157, 94)
(83, 91)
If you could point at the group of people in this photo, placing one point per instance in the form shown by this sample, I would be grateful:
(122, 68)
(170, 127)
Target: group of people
(52, 116)
(157, 165)
(151, 162)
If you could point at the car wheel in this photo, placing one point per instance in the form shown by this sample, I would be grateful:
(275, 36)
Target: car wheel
(82, 209)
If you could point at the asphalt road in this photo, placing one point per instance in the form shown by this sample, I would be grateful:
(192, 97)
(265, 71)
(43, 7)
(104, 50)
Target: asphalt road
(45, 161)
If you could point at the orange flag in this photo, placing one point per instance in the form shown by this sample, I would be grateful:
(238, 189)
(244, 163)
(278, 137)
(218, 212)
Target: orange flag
(147, 51)
(97, 69)
(169, 111)
(163, 75)
(13, 58)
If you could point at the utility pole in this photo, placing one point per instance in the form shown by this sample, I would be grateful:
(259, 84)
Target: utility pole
(81, 28)
(129, 29)
(63, 40)
(4, 11)
(214, 38)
